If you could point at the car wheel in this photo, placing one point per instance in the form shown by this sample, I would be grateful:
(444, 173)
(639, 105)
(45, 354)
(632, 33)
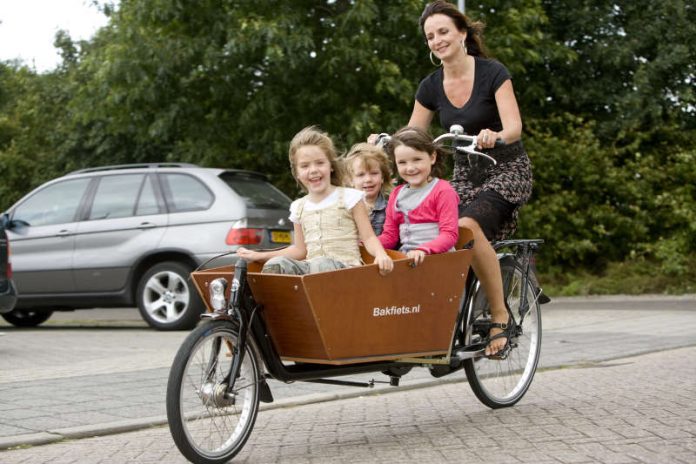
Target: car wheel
(27, 317)
(167, 298)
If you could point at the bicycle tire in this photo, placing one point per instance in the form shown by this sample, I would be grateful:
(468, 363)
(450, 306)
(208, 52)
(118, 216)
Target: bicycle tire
(207, 426)
(502, 383)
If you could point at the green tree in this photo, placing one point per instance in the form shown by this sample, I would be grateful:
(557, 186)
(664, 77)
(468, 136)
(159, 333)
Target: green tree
(605, 176)
(605, 88)
(229, 83)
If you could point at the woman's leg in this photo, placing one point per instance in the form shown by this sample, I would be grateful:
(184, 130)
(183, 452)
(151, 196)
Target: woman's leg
(487, 269)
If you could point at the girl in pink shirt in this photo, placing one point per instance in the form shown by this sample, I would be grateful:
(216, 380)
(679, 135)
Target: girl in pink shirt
(422, 214)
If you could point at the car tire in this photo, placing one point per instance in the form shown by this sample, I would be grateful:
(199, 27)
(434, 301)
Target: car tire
(27, 317)
(167, 298)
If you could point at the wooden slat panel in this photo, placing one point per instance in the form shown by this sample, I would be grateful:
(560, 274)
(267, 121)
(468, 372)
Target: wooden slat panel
(288, 315)
(465, 236)
(361, 313)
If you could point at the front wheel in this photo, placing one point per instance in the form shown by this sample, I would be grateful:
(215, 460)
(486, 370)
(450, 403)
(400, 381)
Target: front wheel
(501, 383)
(208, 423)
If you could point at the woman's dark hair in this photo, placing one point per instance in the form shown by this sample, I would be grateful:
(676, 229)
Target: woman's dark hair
(421, 140)
(474, 29)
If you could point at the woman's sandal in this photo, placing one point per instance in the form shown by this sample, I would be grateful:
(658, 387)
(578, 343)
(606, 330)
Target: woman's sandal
(506, 333)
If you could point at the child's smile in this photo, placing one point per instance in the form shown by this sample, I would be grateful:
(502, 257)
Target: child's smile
(414, 166)
(368, 178)
(314, 171)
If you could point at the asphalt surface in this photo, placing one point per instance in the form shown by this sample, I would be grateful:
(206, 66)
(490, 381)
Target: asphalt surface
(592, 400)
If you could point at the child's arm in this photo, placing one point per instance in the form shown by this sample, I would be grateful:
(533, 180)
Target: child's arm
(369, 239)
(297, 250)
(445, 206)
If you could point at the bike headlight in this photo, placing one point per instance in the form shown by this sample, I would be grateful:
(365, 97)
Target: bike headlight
(216, 290)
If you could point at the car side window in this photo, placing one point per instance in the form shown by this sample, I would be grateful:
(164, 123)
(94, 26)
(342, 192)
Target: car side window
(186, 193)
(55, 204)
(115, 196)
(147, 203)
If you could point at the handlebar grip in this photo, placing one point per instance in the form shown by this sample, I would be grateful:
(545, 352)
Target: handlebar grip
(382, 139)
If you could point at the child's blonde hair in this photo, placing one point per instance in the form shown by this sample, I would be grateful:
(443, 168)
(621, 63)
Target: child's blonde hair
(311, 135)
(368, 153)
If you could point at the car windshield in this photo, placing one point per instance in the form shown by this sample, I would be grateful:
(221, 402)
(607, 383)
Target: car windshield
(256, 192)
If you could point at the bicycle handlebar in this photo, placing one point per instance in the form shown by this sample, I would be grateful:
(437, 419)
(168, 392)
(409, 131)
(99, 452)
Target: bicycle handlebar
(456, 134)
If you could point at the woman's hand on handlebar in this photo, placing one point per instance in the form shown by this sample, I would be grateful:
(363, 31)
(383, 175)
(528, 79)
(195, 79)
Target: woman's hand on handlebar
(487, 138)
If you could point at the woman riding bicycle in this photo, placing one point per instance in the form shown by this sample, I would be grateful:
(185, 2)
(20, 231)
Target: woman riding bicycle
(476, 92)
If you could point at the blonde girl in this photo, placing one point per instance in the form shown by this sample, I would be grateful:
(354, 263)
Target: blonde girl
(328, 222)
(368, 169)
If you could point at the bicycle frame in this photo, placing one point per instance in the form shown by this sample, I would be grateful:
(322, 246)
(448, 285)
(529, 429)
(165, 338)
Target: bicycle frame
(524, 250)
(244, 309)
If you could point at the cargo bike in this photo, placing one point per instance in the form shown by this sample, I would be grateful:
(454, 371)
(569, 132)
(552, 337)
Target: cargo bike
(318, 327)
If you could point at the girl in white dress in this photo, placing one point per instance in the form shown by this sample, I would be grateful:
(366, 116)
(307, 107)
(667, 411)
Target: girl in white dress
(329, 222)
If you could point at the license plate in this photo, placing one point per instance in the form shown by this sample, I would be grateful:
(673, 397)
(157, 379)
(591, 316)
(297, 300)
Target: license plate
(280, 236)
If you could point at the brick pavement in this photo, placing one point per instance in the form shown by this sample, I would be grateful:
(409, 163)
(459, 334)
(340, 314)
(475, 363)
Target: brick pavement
(119, 382)
(625, 411)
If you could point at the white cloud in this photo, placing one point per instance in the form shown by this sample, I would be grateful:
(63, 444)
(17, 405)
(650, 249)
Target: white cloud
(28, 28)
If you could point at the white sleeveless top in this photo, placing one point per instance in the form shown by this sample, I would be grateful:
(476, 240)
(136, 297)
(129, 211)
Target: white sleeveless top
(330, 229)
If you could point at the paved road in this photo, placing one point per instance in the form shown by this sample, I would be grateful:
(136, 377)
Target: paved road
(636, 410)
(79, 377)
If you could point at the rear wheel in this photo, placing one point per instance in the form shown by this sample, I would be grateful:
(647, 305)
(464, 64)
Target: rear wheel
(27, 317)
(500, 383)
(167, 298)
(208, 424)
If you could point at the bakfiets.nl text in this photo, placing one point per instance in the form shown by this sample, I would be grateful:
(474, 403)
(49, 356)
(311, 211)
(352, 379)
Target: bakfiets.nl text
(395, 310)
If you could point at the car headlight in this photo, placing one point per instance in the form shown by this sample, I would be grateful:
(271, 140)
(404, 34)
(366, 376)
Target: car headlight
(216, 290)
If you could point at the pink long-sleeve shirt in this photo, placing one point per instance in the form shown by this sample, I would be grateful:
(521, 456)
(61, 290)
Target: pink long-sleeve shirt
(439, 206)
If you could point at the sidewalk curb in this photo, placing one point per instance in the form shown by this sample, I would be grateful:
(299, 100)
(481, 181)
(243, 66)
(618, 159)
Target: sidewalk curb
(131, 425)
(30, 439)
(626, 298)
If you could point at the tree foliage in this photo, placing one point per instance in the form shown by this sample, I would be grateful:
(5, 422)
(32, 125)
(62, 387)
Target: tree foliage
(606, 90)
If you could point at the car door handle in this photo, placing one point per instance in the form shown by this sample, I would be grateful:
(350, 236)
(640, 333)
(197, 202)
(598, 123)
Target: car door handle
(147, 225)
(63, 233)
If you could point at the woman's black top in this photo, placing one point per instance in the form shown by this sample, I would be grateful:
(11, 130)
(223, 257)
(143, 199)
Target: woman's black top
(510, 179)
(481, 111)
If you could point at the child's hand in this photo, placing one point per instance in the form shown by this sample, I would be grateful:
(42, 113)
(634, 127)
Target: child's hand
(385, 263)
(248, 255)
(417, 256)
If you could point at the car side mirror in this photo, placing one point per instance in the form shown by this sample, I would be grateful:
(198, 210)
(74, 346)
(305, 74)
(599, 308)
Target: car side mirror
(9, 224)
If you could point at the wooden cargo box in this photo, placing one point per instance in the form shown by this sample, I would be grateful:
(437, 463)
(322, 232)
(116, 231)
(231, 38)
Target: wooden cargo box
(356, 315)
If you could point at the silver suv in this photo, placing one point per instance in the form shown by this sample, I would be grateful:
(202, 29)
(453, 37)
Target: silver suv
(130, 235)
